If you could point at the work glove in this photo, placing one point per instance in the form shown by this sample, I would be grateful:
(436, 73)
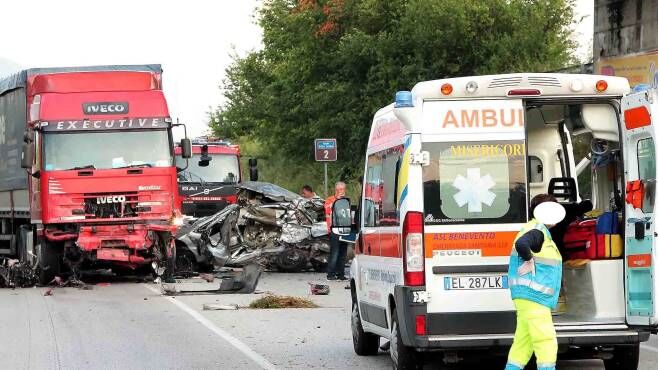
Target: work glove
(527, 267)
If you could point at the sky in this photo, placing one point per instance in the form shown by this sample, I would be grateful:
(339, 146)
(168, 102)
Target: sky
(193, 40)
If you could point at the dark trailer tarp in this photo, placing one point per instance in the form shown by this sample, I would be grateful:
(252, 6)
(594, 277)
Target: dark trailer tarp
(13, 117)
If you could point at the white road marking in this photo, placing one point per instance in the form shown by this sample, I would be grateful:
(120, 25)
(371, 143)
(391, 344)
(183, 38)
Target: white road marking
(260, 360)
(649, 348)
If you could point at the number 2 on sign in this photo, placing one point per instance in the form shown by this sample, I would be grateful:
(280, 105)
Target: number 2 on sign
(326, 154)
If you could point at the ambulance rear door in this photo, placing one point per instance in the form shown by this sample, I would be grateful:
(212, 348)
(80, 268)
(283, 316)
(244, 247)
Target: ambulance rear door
(639, 144)
(475, 193)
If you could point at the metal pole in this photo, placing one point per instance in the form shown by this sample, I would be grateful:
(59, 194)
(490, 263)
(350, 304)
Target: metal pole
(326, 181)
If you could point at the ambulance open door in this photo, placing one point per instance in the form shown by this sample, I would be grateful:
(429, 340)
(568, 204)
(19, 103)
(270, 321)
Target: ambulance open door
(639, 145)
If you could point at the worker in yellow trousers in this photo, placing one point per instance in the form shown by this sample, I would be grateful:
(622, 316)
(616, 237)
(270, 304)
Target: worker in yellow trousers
(535, 274)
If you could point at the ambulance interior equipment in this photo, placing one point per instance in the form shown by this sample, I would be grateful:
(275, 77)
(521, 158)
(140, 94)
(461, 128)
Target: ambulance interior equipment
(587, 180)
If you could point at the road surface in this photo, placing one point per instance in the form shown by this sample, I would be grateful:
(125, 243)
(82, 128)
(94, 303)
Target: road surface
(130, 326)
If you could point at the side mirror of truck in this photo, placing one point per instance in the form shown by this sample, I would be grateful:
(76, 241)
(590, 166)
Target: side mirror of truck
(253, 171)
(186, 148)
(28, 137)
(27, 155)
(341, 217)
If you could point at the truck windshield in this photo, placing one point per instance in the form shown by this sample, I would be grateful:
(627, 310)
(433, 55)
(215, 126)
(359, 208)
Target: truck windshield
(103, 150)
(475, 183)
(222, 168)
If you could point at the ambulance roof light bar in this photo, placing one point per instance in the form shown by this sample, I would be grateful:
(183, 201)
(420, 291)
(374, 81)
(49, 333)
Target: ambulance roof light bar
(641, 87)
(404, 99)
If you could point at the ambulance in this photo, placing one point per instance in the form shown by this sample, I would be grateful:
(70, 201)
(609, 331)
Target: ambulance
(449, 171)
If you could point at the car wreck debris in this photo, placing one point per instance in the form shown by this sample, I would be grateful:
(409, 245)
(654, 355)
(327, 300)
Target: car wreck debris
(269, 225)
(15, 274)
(223, 282)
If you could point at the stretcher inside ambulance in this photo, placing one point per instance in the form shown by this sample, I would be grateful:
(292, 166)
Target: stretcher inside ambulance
(450, 170)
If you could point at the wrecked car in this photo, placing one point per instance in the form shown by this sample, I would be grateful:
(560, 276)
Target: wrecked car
(269, 225)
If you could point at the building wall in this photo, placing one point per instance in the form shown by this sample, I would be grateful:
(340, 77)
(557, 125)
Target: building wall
(624, 27)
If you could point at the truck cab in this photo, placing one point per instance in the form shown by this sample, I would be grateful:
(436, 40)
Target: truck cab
(208, 181)
(449, 172)
(98, 184)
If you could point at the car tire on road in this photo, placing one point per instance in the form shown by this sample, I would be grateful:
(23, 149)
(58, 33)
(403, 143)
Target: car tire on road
(403, 357)
(50, 262)
(291, 260)
(365, 344)
(624, 358)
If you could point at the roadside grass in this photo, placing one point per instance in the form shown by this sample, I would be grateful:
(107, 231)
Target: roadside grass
(275, 301)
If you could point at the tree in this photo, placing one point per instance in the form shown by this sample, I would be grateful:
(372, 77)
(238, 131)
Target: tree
(328, 65)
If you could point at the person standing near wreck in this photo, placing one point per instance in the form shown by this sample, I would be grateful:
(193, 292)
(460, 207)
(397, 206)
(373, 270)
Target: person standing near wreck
(336, 265)
(308, 193)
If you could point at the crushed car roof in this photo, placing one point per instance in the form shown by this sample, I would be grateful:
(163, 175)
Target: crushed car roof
(269, 190)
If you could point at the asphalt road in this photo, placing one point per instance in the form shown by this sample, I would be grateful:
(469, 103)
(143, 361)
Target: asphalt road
(131, 326)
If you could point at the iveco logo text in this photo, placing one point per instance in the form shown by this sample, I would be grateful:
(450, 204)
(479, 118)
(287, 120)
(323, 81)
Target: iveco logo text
(111, 199)
(460, 252)
(105, 108)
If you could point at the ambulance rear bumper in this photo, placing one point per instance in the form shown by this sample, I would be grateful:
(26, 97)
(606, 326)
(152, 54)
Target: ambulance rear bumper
(585, 338)
(473, 330)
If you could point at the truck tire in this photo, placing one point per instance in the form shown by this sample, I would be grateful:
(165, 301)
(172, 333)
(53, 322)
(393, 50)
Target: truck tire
(403, 357)
(365, 344)
(291, 260)
(50, 262)
(624, 358)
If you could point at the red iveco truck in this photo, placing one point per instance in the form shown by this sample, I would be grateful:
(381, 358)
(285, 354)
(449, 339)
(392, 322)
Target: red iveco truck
(209, 182)
(87, 172)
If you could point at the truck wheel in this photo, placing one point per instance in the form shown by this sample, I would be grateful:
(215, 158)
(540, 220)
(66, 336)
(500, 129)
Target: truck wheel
(403, 357)
(365, 344)
(291, 260)
(624, 358)
(50, 257)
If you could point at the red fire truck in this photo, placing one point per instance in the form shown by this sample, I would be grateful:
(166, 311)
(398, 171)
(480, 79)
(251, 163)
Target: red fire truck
(87, 173)
(209, 181)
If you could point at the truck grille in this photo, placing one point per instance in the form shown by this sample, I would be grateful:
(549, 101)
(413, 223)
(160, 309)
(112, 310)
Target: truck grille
(111, 205)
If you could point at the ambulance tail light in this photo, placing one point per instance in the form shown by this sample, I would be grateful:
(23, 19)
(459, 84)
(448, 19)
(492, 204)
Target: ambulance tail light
(421, 327)
(601, 86)
(414, 251)
(524, 92)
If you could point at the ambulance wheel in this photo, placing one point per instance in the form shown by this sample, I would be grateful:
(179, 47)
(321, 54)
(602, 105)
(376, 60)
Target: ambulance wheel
(50, 262)
(403, 357)
(624, 358)
(365, 344)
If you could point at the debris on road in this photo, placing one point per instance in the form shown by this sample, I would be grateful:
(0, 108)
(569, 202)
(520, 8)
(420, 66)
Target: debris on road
(219, 307)
(232, 282)
(319, 289)
(207, 277)
(274, 301)
(15, 274)
(48, 292)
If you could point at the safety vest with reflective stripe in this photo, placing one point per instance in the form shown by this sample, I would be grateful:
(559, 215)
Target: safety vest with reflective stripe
(543, 286)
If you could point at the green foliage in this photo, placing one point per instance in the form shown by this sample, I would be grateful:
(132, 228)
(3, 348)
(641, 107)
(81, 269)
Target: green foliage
(328, 65)
(289, 173)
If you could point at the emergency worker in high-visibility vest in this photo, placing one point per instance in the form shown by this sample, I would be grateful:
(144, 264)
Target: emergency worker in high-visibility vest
(535, 274)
